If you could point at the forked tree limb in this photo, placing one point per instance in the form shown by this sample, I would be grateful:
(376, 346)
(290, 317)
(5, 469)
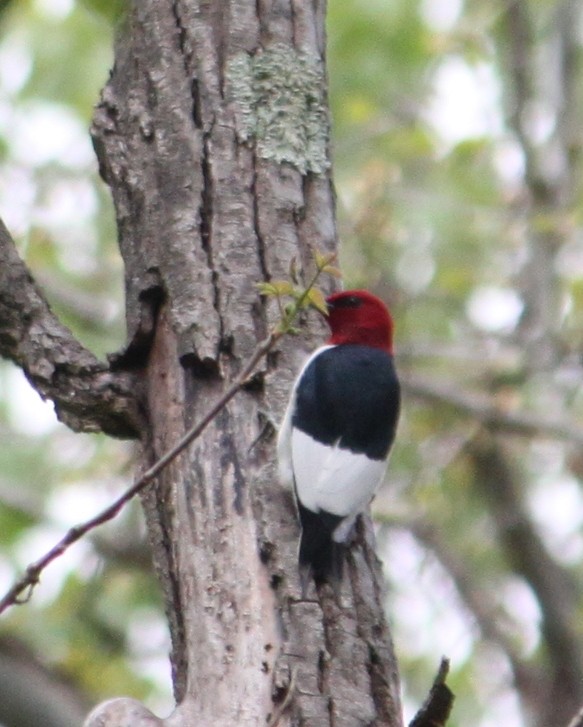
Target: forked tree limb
(87, 395)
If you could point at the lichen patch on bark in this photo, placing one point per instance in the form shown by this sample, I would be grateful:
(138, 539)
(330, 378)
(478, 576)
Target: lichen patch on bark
(279, 99)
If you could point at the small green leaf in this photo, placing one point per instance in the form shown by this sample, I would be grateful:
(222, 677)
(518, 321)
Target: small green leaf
(317, 300)
(331, 270)
(287, 328)
(275, 288)
(266, 289)
(282, 287)
(322, 260)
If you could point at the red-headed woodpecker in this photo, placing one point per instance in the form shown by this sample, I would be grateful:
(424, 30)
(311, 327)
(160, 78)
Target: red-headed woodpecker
(338, 429)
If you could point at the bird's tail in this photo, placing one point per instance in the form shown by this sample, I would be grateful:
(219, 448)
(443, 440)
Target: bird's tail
(320, 556)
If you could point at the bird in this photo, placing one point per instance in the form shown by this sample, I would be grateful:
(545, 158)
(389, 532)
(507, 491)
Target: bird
(338, 430)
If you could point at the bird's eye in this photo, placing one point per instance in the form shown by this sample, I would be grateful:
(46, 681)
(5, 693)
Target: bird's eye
(350, 301)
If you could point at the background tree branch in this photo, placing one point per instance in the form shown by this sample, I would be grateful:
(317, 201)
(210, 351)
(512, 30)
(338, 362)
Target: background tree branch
(32, 694)
(484, 409)
(481, 604)
(556, 591)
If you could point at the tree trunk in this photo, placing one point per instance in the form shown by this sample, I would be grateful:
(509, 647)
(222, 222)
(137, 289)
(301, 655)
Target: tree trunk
(213, 136)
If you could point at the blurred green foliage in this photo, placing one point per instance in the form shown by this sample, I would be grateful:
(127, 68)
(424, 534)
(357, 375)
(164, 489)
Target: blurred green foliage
(432, 214)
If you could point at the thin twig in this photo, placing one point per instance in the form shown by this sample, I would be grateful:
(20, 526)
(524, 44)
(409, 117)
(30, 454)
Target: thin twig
(277, 715)
(32, 574)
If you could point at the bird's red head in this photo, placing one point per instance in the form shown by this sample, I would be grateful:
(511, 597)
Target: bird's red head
(357, 316)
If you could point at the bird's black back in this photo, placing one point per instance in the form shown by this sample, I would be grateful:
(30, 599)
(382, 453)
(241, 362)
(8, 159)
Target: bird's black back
(350, 394)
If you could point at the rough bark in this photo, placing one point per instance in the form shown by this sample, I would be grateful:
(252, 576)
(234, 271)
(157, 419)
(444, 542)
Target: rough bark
(88, 396)
(213, 136)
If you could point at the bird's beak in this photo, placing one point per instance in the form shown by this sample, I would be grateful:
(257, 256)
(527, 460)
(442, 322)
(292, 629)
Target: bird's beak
(329, 306)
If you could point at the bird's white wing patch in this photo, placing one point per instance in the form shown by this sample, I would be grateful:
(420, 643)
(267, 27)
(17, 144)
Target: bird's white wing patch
(333, 479)
(286, 467)
(284, 451)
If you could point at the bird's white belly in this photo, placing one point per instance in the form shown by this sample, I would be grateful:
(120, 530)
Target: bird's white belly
(333, 479)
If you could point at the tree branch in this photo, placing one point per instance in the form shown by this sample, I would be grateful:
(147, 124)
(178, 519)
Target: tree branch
(87, 395)
(437, 707)
(553, 585)
(47, 699)
(480, 408)
(478, 600)
(548, 178)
